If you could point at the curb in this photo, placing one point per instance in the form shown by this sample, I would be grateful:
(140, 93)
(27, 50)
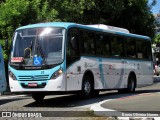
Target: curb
(11, 96)
(101, 111)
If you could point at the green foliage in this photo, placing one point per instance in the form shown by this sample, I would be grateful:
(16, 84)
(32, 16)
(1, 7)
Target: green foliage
(157, 38)
(15, 13)
(43, 12)
(71, 10)
(135, 15)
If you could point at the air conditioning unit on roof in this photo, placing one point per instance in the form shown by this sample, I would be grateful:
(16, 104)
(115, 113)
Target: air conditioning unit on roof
(111, 28)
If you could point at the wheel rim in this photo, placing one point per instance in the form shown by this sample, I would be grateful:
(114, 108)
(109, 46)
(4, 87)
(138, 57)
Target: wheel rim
(87, 87)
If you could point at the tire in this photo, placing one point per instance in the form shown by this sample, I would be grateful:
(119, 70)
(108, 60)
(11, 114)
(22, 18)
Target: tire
(131, 84)
(38, 97)
(121, 91)
(87, 88)
(95, 93)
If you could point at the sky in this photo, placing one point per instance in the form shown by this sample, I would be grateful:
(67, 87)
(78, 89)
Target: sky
(156, 8)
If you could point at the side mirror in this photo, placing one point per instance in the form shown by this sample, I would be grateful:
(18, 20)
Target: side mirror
(6, 45)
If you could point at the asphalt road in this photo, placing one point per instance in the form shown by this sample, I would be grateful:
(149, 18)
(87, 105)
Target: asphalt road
(138, 102)
(144, 99)
(63, 104)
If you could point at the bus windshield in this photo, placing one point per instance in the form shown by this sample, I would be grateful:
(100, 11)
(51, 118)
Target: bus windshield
(38, 46)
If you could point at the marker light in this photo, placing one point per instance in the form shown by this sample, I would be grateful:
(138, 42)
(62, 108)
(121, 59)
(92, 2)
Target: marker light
(57, 73)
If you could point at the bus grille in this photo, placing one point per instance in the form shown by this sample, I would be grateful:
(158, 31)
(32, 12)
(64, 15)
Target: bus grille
(31, 78)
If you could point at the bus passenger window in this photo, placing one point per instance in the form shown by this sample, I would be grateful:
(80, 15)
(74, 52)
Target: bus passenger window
(141, 49)
(130, 48)
(87, 44)
(102, 45)
(149, 51)
(117, 49)
(72, 45)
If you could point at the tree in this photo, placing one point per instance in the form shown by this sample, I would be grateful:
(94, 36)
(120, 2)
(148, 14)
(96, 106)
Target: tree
(134, 15)
(157, 39)
(15, 13)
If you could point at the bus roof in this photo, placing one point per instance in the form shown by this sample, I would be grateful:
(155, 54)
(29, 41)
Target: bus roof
(68, 25)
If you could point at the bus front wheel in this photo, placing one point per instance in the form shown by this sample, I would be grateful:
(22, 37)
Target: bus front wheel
(87, 87)
(38, 97)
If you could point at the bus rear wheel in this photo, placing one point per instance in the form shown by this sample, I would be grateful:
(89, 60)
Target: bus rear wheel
(130, 87)
(87, 87)
(38, 97)
(131, 84)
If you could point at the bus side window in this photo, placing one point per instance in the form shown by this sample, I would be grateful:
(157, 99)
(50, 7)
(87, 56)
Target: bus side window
(117, 47)
(130, 48)
(87, 42)
(141, 49)
(149, 51)
(103, 45)
(72, 47)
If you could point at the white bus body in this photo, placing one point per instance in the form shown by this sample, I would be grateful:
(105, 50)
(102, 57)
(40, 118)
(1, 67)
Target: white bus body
(91, 60)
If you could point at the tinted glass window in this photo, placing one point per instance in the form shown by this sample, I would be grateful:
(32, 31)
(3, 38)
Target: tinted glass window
(87, 43)
(117, 48)
(149, 52)
(130, 48)
(72, 46)
(102, 45)
(141, 49)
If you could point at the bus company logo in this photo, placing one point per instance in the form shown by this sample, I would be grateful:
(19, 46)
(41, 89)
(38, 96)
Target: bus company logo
(6, 114)
(111, 67)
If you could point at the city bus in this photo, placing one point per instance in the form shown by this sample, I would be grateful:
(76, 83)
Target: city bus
(62, 57)
(3, 83)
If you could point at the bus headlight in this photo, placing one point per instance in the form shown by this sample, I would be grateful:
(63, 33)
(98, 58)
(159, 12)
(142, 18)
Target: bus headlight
(57, 73)
(12, 75)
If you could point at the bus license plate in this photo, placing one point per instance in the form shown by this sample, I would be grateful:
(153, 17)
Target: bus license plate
(32, 85)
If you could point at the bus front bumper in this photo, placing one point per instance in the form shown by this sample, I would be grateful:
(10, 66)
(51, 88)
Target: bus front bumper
(57, 84)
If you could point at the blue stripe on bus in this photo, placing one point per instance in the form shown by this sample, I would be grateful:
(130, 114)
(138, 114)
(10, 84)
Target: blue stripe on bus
(101, 73)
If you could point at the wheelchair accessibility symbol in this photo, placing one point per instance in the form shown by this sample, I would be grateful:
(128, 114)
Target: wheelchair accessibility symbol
(37, 61)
